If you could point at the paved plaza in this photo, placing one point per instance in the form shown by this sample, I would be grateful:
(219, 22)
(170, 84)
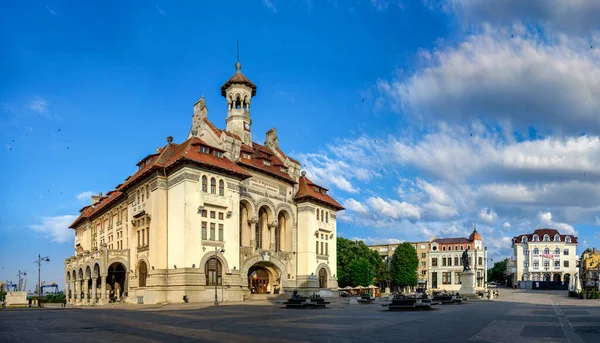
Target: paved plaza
(518, 316)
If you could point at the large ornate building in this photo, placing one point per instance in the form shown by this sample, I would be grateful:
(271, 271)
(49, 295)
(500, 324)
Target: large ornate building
(545, 255)
(217, 215)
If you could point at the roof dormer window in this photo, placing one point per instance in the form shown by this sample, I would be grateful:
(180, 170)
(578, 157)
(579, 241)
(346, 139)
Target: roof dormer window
(245, 155)
(524, 239)
(546, 238)
(536, 238)
(557, 238)
(218, 154)
(283, 169)
(266, 163)
(568, 239)
(204, 150)
(316, 188)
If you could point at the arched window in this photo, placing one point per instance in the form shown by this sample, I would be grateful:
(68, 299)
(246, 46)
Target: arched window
(536, 238)
(204, 184)
(213, 186)
(322, 215)
(557, 238)
(142, 274)
(557, 251)
(546, 238)
(524, 239)
(444, 248)
(318, 214)
(214, 272)
(221, 188)
(326, 217)
(546, 251)
(568, 239)
(322, 278)
(536, 251)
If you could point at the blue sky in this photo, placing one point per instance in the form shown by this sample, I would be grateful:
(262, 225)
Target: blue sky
(421, 117)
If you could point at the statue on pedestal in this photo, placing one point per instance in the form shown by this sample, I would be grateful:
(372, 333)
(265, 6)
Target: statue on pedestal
(465, 260)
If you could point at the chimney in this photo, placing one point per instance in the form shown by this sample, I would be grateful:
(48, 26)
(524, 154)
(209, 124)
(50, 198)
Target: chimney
(272, 141)
(96, 198)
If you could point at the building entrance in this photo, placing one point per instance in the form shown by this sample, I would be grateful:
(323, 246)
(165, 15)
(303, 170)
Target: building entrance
(258, 280)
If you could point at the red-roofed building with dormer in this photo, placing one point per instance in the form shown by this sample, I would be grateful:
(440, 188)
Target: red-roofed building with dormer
(217, 209)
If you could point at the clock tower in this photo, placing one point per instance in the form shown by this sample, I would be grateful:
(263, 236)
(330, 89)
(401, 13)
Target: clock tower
(238, 91)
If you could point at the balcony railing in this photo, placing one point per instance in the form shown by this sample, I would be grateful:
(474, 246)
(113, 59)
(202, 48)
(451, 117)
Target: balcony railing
(215, 200)
(139, 208)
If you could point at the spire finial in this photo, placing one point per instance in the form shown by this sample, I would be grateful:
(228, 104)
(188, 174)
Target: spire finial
(238, 65)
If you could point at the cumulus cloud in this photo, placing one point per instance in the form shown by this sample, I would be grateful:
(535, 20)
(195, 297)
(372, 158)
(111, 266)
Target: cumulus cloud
(329, 172)
(545, 219)
(356, 206)
(495, 77)
(55, 228)
(506, 225)
(377, 241)
(38, 104)
(571, 16)
(487, 215)
(395, 209)
(84, 196)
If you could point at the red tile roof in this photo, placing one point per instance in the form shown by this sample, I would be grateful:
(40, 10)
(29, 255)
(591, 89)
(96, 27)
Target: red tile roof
(259, 154)
(91, 211)
(306, 191)
(541, 233)
(284, 156)
(459, 240)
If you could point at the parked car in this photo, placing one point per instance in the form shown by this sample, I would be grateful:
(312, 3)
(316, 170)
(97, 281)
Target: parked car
(492, 284)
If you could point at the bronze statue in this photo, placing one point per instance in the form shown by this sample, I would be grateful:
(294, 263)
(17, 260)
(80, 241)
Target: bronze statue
(465, 260)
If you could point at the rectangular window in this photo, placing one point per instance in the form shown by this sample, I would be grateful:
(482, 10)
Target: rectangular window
(317, 248)
(566, 252)
(326, 248)
(138, 235)
(423, 255)
(212, 214)
(566, 264)
(204, 213)
(480, 261)
(443, 261)
(526, 252)
(456, 260)
(423, 264)
(204, 235)
(546, 263)
(143, 221)
(456, 278)
(446, 278)
(212, 231)
(221, 232)
(321, 248)
(220, 215)
(557, 263)
(148, 236)
(536, 263)
(526, 264)
(450, 261)
(434, 262)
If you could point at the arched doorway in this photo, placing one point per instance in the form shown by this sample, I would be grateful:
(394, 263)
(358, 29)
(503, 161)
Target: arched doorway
(567, 279)
(556, 278)
(322, 278)
(547, 277)
(115, 281)
(214, 272)
(258, 280)
(142, 274)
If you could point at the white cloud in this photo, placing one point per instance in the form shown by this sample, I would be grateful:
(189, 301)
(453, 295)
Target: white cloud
(488, 216)
(38, 104)
(551, 83)
(506, 225)
(84, 196)
(161, 11)
(270, 4)
(394, 209)
(545, 219)
(573, 16)
(356, 206)
(328, 172)
(56, 228)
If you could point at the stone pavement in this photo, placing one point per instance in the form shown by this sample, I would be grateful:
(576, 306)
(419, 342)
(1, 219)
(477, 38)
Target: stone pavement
(518, 316)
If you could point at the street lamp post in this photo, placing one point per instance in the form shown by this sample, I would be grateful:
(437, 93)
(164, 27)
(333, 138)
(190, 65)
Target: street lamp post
(217, 251)
(39, 263)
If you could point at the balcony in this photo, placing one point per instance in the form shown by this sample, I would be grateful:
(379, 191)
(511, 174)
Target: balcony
(139, 209)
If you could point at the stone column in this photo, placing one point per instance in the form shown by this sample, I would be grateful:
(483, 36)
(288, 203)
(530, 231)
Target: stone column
(67, 288)
(94, 281)
(103, 289)
(87, 291)
(76, 291)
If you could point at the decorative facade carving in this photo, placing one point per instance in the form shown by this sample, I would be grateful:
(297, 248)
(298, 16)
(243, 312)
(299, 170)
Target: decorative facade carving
(182, 177)
(306, 208)
(233, 186)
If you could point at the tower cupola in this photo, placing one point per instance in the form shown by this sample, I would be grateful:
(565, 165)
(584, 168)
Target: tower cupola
(238, 91)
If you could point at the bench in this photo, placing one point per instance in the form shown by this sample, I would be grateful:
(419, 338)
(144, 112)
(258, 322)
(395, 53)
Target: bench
(306, 303)
(412, 303)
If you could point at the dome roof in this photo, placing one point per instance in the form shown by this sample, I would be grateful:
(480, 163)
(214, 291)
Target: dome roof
(475, 236)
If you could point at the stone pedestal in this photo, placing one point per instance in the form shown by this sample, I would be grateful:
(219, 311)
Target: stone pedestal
(16, 299)
(467, 279)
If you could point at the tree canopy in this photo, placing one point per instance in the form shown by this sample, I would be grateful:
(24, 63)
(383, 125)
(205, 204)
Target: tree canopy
(496, 273)
(405, 263)
(357, 264)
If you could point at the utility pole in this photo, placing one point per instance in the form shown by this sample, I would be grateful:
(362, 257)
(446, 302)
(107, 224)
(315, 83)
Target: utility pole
(217, 251)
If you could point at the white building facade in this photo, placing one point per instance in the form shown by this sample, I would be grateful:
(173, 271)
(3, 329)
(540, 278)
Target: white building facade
(217, 215)
(545, 255)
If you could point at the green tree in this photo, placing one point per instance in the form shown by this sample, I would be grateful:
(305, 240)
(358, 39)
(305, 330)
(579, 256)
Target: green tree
(357, 264)
(405, 263)
(496, 273)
